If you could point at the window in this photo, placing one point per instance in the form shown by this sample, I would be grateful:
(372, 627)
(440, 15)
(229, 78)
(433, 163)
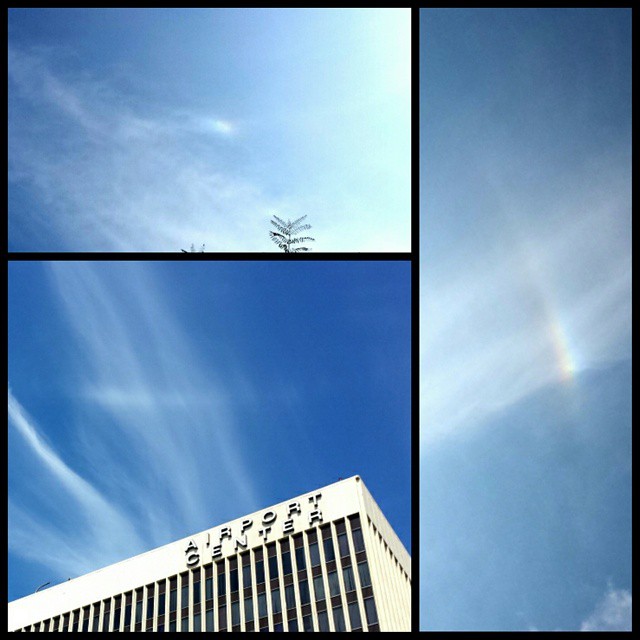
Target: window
(290, 596)
(138, 610)
(222, 616)
(197, 622)
(300, 559)
(354, 616)
(338, 619)
(329, 553)
(96, 617)
(209, 619)
(196, 592)
(105, 620)
(260, 571)
(307, 623)
(370, 610)
(273, 567)
(262, 605)
(365, 578)
(235, 613)
(304, 592)
(358, 541)
(343, 544)
(85, 618)
(76, 619)
(276, 604)
(278, 627)
(173, 600)
(222, 586)
(233, 580)
(349, 579)
(334, 584)
(318, 587)
(323, 621)
(248, 609)
(185, 624)
(161, 603)
(150, 606)
(127, 614)
(293, 624)
(172, 625)
(246, 575)
(286, 563)
(314, 554)
(208, 589)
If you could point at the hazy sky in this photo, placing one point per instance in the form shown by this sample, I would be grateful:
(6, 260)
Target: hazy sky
(151, 129)
(525, 351)
(149, 401)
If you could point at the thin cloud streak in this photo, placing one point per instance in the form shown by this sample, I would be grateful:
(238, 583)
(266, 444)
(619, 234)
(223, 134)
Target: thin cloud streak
(152, 388)
(104, 526)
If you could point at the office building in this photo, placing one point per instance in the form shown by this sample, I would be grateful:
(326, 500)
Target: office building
(325, 561)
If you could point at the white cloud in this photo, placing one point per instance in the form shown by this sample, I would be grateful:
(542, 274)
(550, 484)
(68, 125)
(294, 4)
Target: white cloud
(612, 613)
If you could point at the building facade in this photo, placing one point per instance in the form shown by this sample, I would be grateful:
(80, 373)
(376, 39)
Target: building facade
(324, 561)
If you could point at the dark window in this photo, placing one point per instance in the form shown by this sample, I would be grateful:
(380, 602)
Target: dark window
(314, 554)
(304, 592)
(293, 624)
(323, 621)
(262, 605)
(138, 611)
(248, 609)
(354, 616)
(209, 619)
(185, 624)
(127, 614)
(318, 587)
(196, 592)
(358, 541)
(161, 604)
(286, 563)
(197, 623)
(370, 609)
(76, 620)
(329, 553)
(85, 619)
(343, 544)
(221, 584)
(208, 588)
(173, 600)
(273, 567)
(222, 617)
(307, 623)
(150, 607)
(235, 613)
(290, 596)
(278, 627)
(233, 580)
(276, 604)
(246, 575)
(160, 628)
(184, 595)
(300, 559)
(105, 621)
(334, 584)
(349, 579)
(338, 619)
(365, 578)
(96, 617)
(172, 625)
(260, 571)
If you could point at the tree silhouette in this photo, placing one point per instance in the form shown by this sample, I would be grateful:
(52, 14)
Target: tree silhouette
(283, 238)
(193, 250)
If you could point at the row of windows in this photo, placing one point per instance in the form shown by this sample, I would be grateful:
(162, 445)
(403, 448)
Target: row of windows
(274, 587)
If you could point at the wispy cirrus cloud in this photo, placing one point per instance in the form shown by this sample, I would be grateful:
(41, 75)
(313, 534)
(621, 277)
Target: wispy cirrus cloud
(103, 523)
(115, 175)
(156, 432)
(549, 299)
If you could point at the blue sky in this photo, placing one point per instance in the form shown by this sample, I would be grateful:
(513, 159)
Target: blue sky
(151, 129)
(525, 302)
(203, 390)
